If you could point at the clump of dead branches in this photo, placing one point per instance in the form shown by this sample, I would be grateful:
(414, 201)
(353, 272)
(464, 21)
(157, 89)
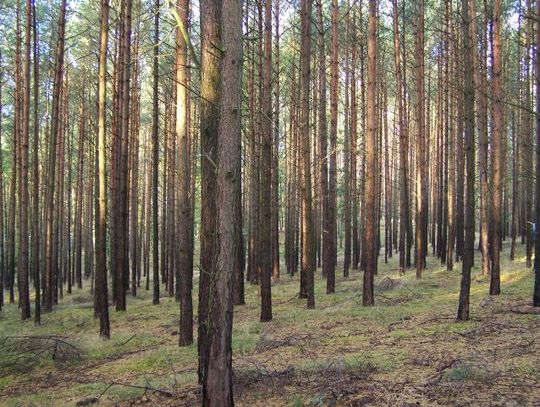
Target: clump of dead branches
(268, 342)
(24, 351)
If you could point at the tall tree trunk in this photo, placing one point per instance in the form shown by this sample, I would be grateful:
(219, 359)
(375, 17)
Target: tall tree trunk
(536, 292)
(265, 232)
(79, 200)
(101, 301)
(468, 95)
(450, 108)
(2, 239)
(51, 171)
(323, 142)
(24, 266)
(308, 233)
(185, 258)
(514, 224)
(347, 155)
(528, 139)
(330, 258)
(218, 383)
(387, 183)
(496, 183)
(121, 241)
(355, 257)
(210, 96)
(481, 120)
(133, 160)
(18, 117)
(403, 150)
(275, 148)
(354, 149)
(155, 158)
(421, 179)
(370, 236)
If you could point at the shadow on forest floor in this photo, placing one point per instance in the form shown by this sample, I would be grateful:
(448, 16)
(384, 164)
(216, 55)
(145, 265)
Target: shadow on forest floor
(407, 350)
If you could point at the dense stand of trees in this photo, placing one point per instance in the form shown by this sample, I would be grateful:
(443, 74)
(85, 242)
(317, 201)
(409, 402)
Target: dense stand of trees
(267, 139)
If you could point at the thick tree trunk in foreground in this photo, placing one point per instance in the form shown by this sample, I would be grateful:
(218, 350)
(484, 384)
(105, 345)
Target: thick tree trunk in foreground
(218, 383)
(209, 116)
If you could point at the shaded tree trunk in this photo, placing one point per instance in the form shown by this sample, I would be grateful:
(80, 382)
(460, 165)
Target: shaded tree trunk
(24, 266)
(218, 383)
(2, 239)
(210, 96)
(536, 292)
(468, 95)
(265, 232)
(481, 120)
(330, 255)
(404, 221)
(421, 166)
(50, 276)
(308, 233)
(155, 158)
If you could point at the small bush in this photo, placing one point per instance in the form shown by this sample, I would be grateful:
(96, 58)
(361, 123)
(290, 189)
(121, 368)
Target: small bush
(465, 372)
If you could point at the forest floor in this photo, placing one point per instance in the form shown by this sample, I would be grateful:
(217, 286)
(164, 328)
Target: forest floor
(407, 350)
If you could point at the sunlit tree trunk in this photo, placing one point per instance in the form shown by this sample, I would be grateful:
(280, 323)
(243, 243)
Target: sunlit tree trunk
(185, 257)
(496, 176)
(101, 301)
(370, 236)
